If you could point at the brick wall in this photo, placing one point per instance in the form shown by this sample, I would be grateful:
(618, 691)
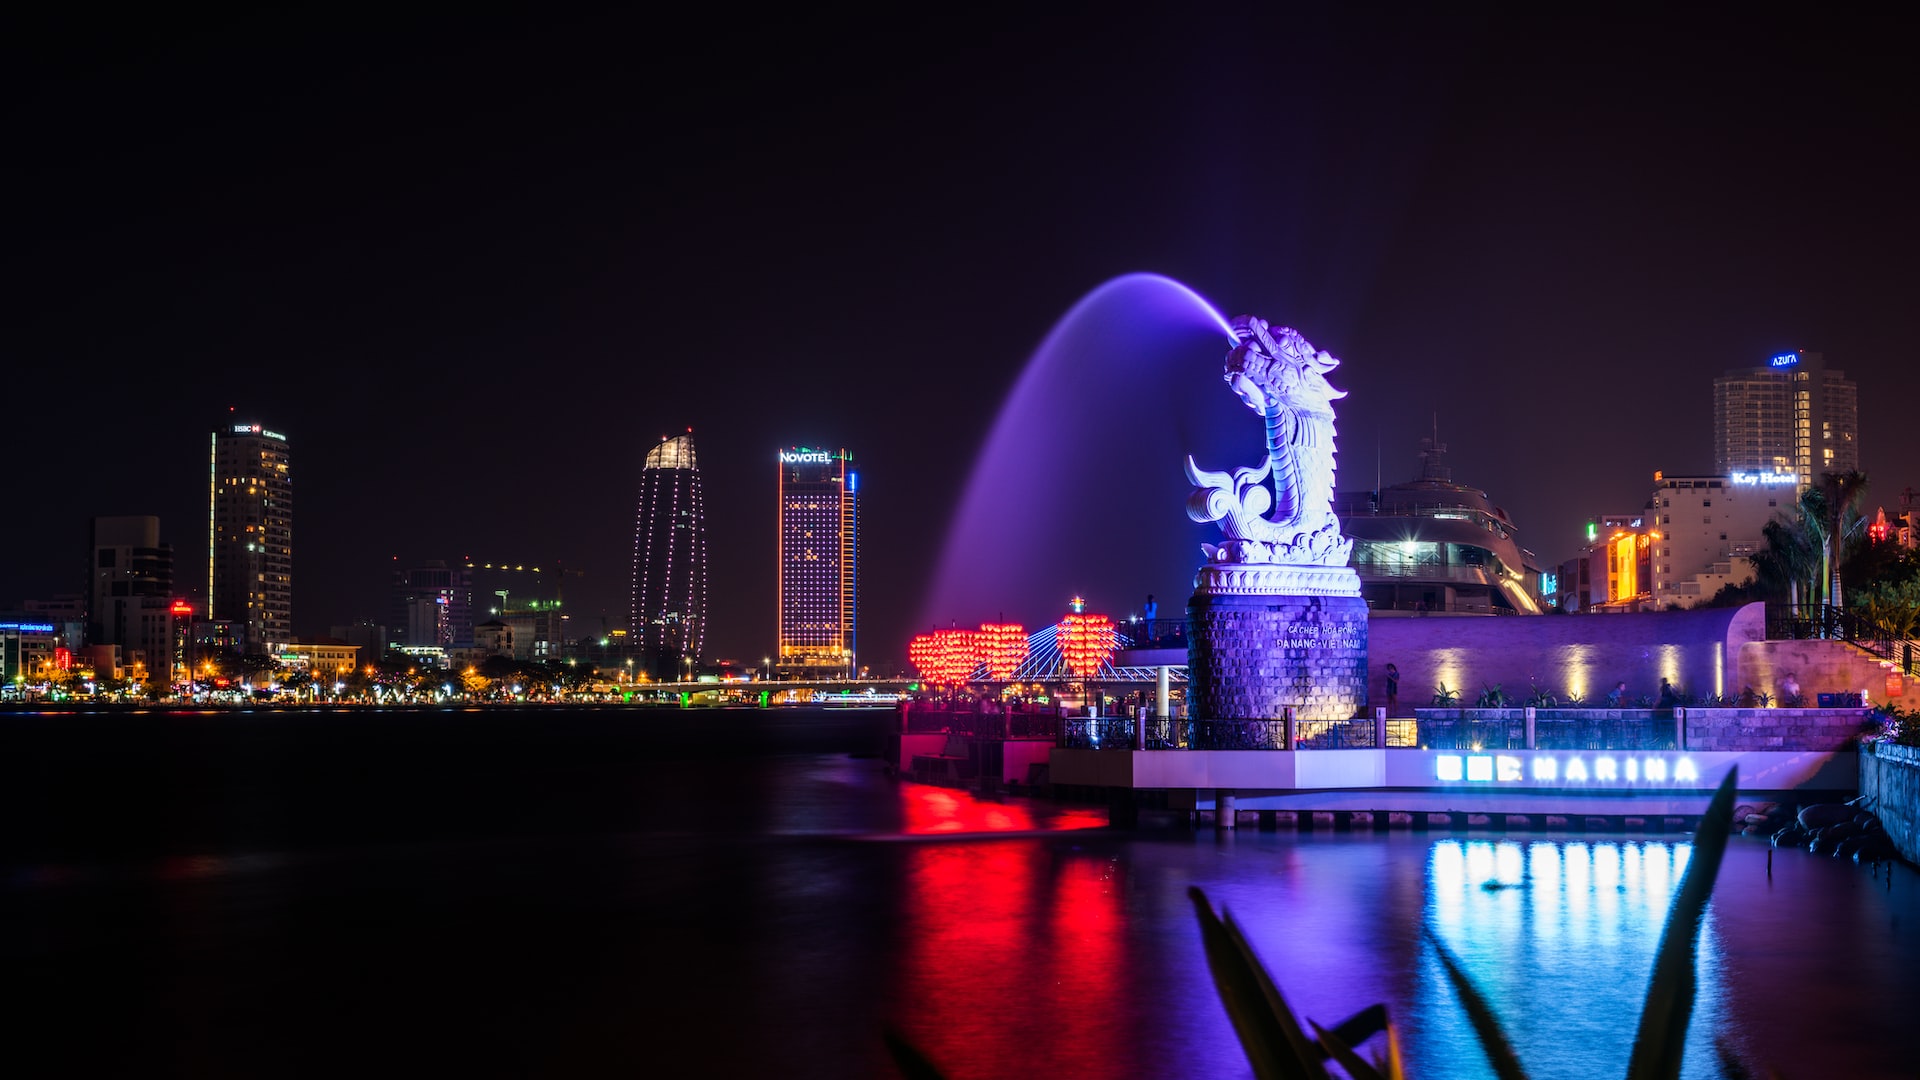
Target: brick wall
(1249, 657)
(1773, 729)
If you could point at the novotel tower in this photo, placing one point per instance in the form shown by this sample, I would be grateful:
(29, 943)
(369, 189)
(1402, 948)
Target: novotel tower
(250, 536)
(819, 562)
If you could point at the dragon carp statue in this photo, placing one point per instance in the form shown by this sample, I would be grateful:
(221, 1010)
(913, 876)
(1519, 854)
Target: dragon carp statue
(1276, 620)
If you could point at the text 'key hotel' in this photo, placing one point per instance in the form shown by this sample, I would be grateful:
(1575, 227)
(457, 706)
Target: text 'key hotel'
(819, 559)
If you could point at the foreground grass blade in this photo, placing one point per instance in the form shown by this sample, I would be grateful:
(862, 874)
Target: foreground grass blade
(1661, 1041)
(913, 1064)
(1493, 1040)
(1361, 1026)
(1341, 1052)
(1274, 1042)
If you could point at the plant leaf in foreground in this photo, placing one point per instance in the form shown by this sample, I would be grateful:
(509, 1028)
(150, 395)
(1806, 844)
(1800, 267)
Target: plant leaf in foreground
(1661, 1040)
(1487, 1026)
(1273, 1040)
(912, 1064)
(1355, 1065)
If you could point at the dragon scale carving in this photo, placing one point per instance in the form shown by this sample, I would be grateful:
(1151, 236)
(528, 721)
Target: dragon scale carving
(1282, 377)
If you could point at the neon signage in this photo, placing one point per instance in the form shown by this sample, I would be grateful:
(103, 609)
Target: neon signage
(1785, 360)
(1600, 769)
(256, 429)
(1768, 478)
(805, 457)
(181, 607)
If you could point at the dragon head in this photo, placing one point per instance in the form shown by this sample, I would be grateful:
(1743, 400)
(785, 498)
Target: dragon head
(1268, 368)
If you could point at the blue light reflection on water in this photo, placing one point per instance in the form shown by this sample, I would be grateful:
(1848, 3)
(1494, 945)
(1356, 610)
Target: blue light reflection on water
(1563, 935)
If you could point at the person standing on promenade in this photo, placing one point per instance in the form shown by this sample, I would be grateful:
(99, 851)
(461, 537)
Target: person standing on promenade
(1617, 696)
(1393, 689)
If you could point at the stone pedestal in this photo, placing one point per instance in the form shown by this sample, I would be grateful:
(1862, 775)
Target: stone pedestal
(1261, 638)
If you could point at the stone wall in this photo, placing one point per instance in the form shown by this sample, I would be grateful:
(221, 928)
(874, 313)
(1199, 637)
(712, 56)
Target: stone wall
(1719, 651)
(1565, 655)
(1826, 666)
(1249, 657)
(1774, 729)
(1891, 775)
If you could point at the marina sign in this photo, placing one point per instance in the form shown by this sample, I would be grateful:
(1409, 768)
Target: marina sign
(1561, 770)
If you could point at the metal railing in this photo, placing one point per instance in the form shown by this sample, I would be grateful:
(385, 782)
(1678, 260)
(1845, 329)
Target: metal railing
(1805, 622)
(1096, 733)
(1648, 731)
(1001, 725)
(1118, 733)
(1155, 633)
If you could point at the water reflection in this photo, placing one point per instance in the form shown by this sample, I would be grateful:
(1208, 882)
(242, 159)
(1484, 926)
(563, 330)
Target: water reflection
(931, 811)
(1012, 959)
(1560, 937)
(699, 912)
(1036, 955)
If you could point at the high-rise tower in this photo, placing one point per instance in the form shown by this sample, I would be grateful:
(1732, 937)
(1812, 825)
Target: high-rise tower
(250, 536)
(819, 560)
(1795, 415)
(669, 620)
(130, 595)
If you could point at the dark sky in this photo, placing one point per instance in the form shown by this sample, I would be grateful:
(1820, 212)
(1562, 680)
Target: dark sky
(474, 269)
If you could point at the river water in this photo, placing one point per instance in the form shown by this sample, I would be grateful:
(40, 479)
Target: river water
(747, 893)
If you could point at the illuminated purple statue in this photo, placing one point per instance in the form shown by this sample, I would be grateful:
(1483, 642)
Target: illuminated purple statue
(1276, 625)
(1280, 376)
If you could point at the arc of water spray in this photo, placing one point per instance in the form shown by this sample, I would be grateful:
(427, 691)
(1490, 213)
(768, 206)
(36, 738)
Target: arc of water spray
(978, 497)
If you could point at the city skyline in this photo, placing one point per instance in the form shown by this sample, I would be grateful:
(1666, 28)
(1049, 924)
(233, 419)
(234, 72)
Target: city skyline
(458, 266)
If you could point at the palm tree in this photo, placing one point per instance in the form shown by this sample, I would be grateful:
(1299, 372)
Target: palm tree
(1791, 559)
(1839, 495)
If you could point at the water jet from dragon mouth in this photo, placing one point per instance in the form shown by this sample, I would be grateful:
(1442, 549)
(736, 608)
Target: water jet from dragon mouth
(1078, 487)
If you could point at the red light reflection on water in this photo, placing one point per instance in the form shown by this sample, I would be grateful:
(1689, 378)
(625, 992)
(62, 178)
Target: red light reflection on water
(1012, 960)
(928, 810)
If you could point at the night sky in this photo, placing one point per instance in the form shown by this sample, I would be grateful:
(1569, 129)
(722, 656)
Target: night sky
(475, 269)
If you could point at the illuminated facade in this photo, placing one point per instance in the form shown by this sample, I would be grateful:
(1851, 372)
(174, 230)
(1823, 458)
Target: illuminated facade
(669, 614)
(1087, 642)
(1793, 415)
(250, 536)
(819, 559)
(993, 652)
(1706, 529)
